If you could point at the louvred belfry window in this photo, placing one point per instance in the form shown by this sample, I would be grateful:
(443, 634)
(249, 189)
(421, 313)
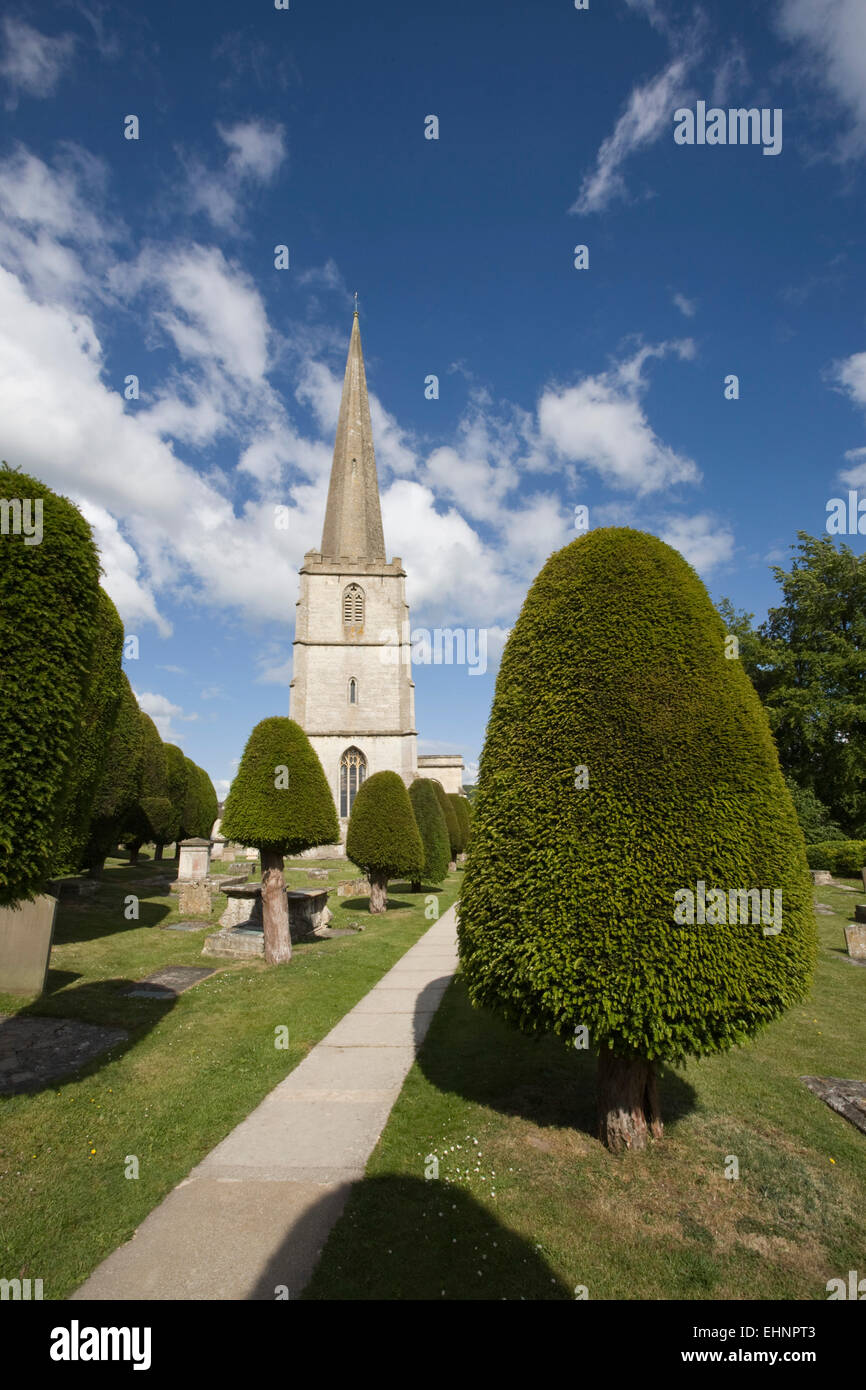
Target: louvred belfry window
(353, 607)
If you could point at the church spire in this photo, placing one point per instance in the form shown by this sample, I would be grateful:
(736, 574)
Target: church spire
(353, 518)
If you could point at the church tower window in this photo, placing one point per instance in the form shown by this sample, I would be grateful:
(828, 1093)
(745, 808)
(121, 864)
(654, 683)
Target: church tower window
(353, 691)
(353, 770)
(353, 607)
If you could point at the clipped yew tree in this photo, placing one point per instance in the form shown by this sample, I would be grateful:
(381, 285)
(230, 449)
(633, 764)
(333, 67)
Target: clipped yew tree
(118, 787)
(383, 838)
(98, 713)
(280, 803)
(458, 804)
(465, 818)
(433, 831)
(177, 776)
(149, 819)
(450, 821)
(49, 587)
(627, 761)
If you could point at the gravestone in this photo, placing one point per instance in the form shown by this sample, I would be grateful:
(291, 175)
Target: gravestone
(855, 937)
(194, 897)
(821, 877)
(34, 1051)
(863, 876)
(847, 1098)
(168, 982)
(194, 861)
(860, 912)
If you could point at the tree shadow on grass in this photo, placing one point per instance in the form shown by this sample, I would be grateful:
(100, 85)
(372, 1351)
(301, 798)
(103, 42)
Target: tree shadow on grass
(45, 1050)
(363, 905)
(401, 1239)
(103, 915)
(473, 1054)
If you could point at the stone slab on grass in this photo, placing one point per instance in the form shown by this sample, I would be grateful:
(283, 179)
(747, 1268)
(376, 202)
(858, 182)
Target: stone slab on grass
(847, 1098)
(35, 1051)
(186, 926)
(169, 982)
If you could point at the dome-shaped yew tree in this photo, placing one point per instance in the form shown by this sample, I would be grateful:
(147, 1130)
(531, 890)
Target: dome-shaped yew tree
(627, 766)
(383, 838)
(281, 804)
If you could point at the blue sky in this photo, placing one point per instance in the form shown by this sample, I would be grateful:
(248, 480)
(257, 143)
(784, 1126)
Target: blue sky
(558, 387)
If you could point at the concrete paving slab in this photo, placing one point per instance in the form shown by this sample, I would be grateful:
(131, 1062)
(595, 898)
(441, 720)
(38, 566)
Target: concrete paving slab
(253, 1216)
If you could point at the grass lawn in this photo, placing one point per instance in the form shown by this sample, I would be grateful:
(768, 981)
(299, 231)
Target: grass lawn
(190, 1071)
(528, 1204)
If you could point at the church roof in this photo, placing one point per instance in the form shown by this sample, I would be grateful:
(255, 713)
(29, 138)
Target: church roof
(353, 517)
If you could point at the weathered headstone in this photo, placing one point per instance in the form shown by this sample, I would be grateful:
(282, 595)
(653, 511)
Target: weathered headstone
(194, 897)
(855, 936)
(26, 930)
(847, 1098)
(194, 862)
(821, 877)
(168, 982)
(860, 912)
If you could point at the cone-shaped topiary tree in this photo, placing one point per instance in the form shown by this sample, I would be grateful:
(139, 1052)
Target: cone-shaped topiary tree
(119, 784)
(433, 831)
(96, 722)
(209, 804)
(149, 819)
(464, 815)
(383, 838)
(628, 770)
(450, 820)
(280, 803)
(458, 804)
(49, 587)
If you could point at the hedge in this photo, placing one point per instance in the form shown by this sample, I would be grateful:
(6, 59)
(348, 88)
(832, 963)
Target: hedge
(844, 857)
(118, 787)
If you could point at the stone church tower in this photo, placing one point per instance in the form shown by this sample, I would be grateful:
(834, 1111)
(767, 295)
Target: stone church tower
(352, 691)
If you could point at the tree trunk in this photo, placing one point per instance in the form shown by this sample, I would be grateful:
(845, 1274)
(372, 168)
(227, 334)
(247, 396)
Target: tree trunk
(275, 910)
(157, 852)
(133, 853)
(378, 892)
(628, 1102)
(415, 886)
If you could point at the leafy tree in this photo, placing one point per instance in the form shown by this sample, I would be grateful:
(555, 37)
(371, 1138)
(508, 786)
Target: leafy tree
(279, 802)
(627, 762)
(119, 784)
(450, 820)
(433, 831)
(150, 816)
(461, 812)
(208, 802)
(808, 664)
(383, 838)
(49, 588)
(96, 721)
(815, 820)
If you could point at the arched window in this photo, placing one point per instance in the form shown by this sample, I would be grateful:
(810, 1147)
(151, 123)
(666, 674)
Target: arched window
(353, 607)
(353, 770)
(353, 691)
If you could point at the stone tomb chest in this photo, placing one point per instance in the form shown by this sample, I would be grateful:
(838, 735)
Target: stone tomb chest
(241, 931)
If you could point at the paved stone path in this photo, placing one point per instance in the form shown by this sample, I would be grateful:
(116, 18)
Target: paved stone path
(256, 1212)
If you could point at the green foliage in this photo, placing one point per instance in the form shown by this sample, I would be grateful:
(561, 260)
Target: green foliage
(808, 664)
(48, 600)
(150, 815)
(177, 781)
(450, 817)
(280, 819)
(118, 787)
(432, 828)
(98, 713)
(815, 820)
(461, 811)
(383, 837)
(846, 858)
(616, 663)
(208, 802)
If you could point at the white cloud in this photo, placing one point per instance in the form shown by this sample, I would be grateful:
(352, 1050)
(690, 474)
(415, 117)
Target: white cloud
(31, 62)
(162, 711)
(647, 116)
(832, 36)
(687, 307)
(600, 423)
(256, 153)
(703, 540)
(850, 373)
(257, 150)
